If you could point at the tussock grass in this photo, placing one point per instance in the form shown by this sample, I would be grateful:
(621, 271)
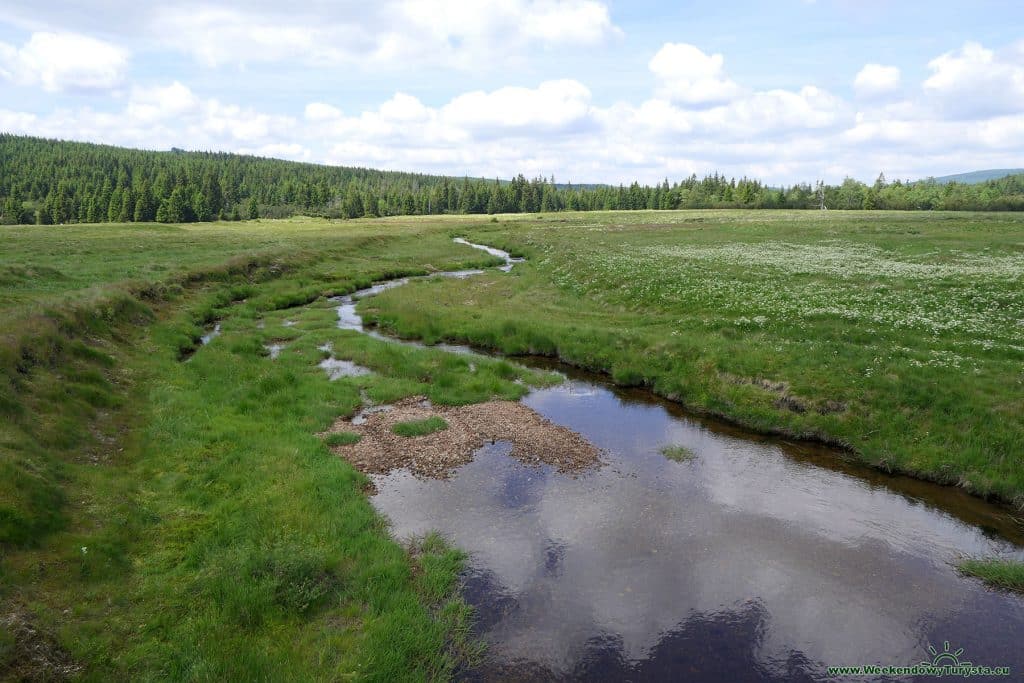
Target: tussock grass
(678, 453)
(420, 427)
(342, 439)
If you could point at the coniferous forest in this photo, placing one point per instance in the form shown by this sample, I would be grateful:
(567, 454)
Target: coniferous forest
(53, 182)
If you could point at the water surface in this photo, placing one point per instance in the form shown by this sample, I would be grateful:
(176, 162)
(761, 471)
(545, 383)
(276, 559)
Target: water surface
(755, 560)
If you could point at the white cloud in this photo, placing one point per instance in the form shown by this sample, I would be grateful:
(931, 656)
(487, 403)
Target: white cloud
(155, 103)
(695, 120)
(389, 33)
(777, 110)
(404, 107)
(690, 76)
(551, 22)
(64, 61)
(320, 111)
(579, 23)
(977, 81)
(1003, 132)
(293, 151)
(554, 106)
(875, 80)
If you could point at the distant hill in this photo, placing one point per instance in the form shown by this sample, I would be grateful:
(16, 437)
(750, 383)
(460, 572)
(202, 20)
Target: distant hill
(975, 177)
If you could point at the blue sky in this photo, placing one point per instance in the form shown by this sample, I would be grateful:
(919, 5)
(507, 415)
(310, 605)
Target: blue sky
(584, 90)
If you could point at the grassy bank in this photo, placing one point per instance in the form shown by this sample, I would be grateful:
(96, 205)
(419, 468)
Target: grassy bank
(999, 573)
(896, 335)
(167, 511)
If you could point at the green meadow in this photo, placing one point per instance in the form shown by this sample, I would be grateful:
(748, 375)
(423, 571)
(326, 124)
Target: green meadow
(167, 510)
(897, 336)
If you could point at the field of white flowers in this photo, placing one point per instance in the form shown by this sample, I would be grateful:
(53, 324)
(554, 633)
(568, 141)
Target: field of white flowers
(970, 299)
(765, 283)
(897, 334)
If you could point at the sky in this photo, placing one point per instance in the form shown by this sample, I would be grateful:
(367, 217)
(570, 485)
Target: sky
(586, 91)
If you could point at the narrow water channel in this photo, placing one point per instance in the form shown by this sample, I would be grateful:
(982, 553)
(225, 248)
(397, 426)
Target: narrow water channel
(754, 559)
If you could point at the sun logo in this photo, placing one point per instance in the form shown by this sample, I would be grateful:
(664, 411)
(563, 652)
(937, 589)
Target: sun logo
(945, 658)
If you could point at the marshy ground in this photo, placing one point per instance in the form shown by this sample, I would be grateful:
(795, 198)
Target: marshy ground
(169, 519)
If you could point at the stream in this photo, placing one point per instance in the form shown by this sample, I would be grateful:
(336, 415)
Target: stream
(754, 560)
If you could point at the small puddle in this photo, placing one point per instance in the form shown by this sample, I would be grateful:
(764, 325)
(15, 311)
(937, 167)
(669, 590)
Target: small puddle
(210, 332)
(360, 417)
(273, 350)
(210, 335)
(336, 368)
(754, 560)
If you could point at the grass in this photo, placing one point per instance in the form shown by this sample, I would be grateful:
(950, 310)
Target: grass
(178, 520)
(996, 572)
(893, 335)
(420, 427)
(678, 453)
(342, 439)
(222, 539)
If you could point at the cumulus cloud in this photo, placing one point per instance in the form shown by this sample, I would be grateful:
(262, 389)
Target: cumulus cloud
(64, 61)
(695, 119)
(875, 80)
(977, 81)
(402, 107)
(159, 117)
(777, 110)
(387, 33)
(554, 106)
(321, 111)
(690, 76)
(148, 104)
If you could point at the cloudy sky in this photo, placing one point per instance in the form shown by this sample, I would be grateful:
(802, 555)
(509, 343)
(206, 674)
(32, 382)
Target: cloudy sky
(585, 90)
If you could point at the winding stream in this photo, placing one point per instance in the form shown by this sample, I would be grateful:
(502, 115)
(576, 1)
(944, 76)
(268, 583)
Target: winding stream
(754, 560)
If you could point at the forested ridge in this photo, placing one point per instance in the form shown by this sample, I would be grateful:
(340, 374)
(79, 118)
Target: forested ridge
(52, 182)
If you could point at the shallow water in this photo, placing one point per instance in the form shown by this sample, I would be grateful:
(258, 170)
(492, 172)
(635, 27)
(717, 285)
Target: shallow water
(755, 560)
(210, 335)
(752, 561)
(509, 260)
(337, 368)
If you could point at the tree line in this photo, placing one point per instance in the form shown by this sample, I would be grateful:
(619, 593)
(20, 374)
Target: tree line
(55, 182)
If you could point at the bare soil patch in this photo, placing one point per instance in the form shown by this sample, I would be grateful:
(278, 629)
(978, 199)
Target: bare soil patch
(534, 439)
(35, 654)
